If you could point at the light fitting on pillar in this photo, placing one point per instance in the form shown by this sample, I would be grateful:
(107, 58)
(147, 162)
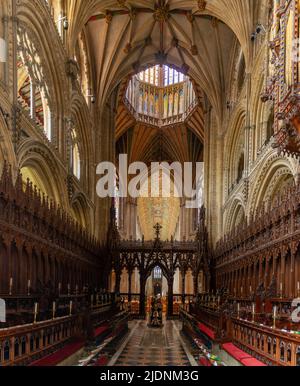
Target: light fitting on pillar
(253, 36)
(260, 29)
(65, 21)
(91, 96)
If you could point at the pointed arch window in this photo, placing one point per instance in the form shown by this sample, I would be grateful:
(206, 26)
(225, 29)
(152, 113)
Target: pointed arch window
(33, 92)
(157, 273)
(75, 156)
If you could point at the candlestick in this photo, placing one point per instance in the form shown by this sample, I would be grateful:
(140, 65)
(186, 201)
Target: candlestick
(28, 287)
(238, 312)
(253, 312)
(35, 312)
(71, 306)
(10, 286)
(281, 290)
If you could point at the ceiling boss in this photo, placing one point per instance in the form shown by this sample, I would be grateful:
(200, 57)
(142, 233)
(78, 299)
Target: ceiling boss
(161, 12)
(202, 5)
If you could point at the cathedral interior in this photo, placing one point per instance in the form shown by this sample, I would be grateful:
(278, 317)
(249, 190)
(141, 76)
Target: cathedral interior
(147, 280)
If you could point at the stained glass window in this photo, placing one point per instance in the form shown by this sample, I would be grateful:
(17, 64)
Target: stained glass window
(157, 273)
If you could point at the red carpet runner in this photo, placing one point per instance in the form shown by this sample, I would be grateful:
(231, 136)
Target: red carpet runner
(60, 355)
(241, 356)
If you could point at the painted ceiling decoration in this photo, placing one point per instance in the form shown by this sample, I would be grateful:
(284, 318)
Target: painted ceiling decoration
(161, 210)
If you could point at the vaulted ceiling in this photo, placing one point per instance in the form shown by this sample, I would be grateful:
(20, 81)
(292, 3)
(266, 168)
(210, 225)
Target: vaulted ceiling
(195, 33)
(124, 39)
(202, 38)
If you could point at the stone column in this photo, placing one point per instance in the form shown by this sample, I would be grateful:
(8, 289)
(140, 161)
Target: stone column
(248, 127)
(170, 296)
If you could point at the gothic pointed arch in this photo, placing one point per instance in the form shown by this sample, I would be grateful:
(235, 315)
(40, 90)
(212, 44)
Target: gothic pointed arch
(235, 217)
(81, 211)
(235, 155)
(38, 164)
(274, 176)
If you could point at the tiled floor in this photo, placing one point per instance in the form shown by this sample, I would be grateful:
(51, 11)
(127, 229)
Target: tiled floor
(153, 347)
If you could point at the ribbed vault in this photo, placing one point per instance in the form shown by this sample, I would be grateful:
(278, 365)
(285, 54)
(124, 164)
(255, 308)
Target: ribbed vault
(133, 33)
